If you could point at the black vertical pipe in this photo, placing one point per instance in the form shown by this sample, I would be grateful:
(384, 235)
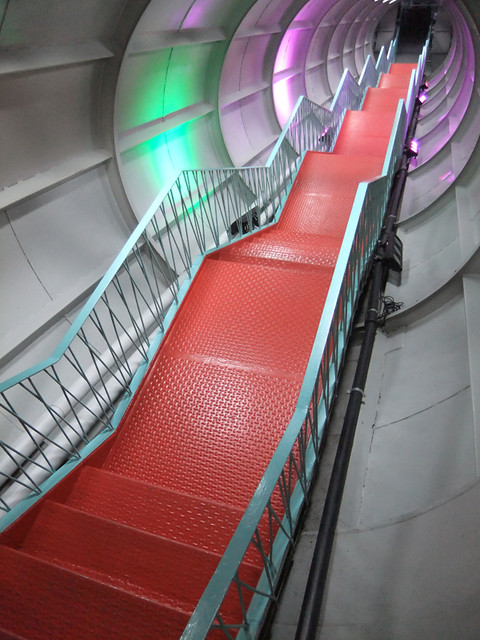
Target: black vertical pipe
(317, 578)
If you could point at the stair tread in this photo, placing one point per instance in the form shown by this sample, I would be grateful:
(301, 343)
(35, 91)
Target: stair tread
(239, 339)
(40, 600)
(402, 68)
(400, 81)
(365, 133)
(370, 146)
(360, 124)
(195, 521)
(381, 99)
(288, 247)
(150, 566)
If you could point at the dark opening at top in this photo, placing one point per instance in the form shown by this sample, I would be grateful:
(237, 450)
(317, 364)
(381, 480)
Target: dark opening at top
(414, 22)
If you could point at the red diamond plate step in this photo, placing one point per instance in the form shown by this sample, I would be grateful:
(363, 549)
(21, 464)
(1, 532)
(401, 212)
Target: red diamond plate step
(383, 99)
(187, 519)
(147, 565)
(206, 413)
(359, 124)
(402, 69)
(365, 133)
(399, 81)
(287, 247)
(237, 342)
(323, 193)
(40, 601)
(245, 316)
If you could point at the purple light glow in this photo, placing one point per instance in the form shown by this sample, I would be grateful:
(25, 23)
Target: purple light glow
(197, 14)
(285, 58)
(283, 100)
(448, 177)
(414, 146)
(458, 67)
(286, 90)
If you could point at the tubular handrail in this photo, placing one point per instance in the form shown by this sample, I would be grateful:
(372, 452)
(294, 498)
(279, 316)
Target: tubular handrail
(370, 74)
(61, 404)
(315, 589)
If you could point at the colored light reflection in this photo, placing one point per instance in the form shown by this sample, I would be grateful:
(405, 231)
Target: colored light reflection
(162, 157)
(448, 177)
(284, 100)
(284, 94)
(285, 58)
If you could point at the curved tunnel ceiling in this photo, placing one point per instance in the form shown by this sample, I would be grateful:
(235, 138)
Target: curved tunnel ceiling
(211, 84)
(102, 101)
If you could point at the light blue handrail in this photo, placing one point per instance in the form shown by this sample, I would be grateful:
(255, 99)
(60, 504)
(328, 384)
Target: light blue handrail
(306, 424)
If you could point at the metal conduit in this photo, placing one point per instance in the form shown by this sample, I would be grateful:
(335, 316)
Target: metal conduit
(315, 589)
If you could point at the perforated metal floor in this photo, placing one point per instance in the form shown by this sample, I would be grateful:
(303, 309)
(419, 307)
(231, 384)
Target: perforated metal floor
(125, 550)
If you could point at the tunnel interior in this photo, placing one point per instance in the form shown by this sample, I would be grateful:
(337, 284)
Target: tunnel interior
(104, 103)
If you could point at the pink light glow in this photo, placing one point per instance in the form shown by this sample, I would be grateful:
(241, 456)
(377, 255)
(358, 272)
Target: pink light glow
(289, 73)
(198, 14)
(286, 52)
(449, 177)
(414, 146)
(283, 100)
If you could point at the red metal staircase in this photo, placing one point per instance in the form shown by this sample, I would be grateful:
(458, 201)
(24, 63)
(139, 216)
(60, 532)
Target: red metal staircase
(125, 545)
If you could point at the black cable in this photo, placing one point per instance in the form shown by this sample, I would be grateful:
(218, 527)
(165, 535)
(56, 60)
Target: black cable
(4, 16)
(389, 306)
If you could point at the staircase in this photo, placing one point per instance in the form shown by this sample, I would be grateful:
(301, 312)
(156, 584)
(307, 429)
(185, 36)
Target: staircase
(126, 544)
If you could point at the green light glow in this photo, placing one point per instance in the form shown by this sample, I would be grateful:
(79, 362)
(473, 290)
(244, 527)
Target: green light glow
(165, 81)
(141, 96)
(162, 157)
(157, 84)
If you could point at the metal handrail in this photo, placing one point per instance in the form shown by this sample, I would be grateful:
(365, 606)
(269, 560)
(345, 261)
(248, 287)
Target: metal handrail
(61, 404)
(315, 589)
(266, 528)
(303, 435)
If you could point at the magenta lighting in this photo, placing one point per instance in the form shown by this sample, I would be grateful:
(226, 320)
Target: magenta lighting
(422, 98)
(414, 147)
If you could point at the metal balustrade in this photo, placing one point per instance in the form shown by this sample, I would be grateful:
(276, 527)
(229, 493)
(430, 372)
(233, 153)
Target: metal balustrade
(61, 409)
(264, 526)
